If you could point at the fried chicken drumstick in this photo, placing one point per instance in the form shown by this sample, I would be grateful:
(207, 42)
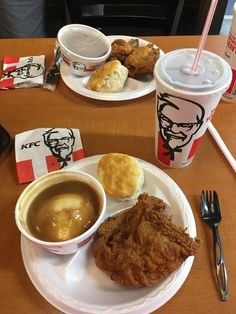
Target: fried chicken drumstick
(142, 245)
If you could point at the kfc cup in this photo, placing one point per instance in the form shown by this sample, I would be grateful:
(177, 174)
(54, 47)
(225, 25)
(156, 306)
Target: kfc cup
(230, 57)
(185, 102)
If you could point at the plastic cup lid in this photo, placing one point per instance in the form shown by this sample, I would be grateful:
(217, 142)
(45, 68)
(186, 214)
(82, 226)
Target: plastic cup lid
(212, 73)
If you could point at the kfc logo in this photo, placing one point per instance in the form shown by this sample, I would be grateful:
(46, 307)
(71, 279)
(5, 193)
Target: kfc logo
(60, 142)
(179, 120)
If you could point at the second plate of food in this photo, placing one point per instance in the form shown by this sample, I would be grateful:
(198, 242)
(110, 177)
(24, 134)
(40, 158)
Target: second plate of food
(134, 88)
(74, 284)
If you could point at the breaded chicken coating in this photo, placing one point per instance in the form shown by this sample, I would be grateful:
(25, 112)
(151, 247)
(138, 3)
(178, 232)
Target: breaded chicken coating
(141, 61)
(142, 245)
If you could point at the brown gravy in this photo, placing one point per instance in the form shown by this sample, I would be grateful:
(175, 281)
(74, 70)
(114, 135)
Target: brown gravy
(63, 211)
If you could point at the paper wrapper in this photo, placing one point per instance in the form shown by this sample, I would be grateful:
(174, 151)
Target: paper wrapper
(43, 150)
(22, 72)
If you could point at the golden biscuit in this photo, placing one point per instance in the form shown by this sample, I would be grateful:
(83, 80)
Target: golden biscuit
(120, 175)
(109, 78)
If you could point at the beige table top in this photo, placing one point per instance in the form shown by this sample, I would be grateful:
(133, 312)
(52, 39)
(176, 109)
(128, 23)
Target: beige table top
(128, 127)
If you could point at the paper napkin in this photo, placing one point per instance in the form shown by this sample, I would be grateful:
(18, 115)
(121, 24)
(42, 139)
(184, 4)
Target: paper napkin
(22, 72)
(44, 150)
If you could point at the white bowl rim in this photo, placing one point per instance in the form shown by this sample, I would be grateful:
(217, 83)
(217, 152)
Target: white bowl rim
(83, 26)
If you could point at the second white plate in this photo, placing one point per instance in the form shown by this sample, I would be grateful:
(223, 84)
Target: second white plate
(134, 88)
(74, 284)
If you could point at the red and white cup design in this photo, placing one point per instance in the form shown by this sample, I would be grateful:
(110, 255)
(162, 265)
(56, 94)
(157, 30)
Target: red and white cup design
(230, 57)
(185, 103)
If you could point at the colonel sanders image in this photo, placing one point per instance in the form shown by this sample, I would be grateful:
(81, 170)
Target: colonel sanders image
(28, 70)
(60, 143)
(179, 119)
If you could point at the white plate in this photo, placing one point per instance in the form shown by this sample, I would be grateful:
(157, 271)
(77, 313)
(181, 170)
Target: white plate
(74, 284)
(134, 88)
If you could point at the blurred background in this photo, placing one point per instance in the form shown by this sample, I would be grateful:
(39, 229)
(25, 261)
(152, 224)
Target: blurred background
(226, 23)
(191, 21)
(43, 18)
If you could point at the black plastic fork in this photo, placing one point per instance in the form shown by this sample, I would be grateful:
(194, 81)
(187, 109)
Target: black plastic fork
(211, 215)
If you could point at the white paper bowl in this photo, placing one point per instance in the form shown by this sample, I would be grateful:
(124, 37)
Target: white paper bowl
(93, 46)
(34, 188)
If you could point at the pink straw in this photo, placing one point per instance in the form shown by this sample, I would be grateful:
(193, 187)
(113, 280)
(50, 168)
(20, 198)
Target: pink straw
(205, 31)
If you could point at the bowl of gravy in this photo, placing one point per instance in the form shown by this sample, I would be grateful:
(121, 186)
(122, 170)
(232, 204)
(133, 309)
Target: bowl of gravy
(83, 48)
(61, 210)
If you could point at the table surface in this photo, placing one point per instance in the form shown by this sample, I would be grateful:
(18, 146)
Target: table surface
(127, 127)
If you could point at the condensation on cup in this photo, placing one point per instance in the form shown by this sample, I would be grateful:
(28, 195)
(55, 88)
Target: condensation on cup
(230, 57)
(185, 102)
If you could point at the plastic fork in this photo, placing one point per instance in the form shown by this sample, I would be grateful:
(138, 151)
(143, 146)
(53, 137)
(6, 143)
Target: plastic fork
(211, 215)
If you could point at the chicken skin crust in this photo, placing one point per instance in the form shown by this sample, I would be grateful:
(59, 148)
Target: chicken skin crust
(141, 61)
(120, 49)
(139, 247)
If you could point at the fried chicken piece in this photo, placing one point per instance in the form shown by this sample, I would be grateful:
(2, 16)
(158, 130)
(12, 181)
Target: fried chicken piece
(142, 245)
(141, 60)
(134, 42)
(120, 49)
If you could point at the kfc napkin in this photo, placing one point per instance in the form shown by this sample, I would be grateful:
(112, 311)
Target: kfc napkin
(44, 150)
(22, 72)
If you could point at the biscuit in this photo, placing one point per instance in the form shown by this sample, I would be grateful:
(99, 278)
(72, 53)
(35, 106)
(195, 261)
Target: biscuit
(109, 78)
(120, 175)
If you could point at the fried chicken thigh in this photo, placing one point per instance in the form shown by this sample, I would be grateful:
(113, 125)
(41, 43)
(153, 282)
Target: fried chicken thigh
(142, 245)
(138, 60)
(141, 61)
